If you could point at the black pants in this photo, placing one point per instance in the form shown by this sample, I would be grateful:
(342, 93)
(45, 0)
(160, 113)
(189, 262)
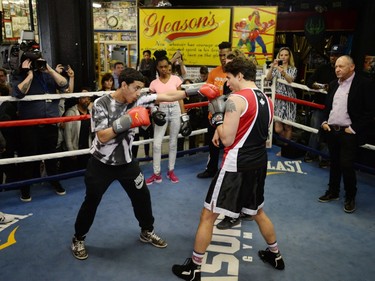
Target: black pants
(98, 178)
(213, 160)
(35, 140)
(343, 150)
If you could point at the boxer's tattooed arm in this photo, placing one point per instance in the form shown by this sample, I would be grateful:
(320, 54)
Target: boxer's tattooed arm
(230, 106)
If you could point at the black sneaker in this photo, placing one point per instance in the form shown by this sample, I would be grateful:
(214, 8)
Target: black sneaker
(206, 174)
(349, 206)
(58, 188)
(324, 163)
(188, 271)
(308, 158)
(228, 223)
(25, 194)
(152, 238)
(78, 248)
(276, 260)
(327, 197)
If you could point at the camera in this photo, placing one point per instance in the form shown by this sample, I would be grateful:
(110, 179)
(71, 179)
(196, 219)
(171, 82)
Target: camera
(280, 62)
(31, 50)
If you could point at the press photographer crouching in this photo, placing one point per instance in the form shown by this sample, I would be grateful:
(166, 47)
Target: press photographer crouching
(36, 77)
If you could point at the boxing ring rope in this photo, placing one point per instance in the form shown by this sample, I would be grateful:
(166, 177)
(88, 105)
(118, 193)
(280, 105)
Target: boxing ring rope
(44, 121)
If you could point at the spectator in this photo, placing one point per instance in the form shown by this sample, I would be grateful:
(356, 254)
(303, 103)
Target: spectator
(320, 79)
(217, 77)
(77, 135)
(107, 82)
(178, 67)
(37, 139)
(147, 67)
(8, 112)
(118, 67)
(172, 110)
(348, 113)
(203, 74)
(283, 67)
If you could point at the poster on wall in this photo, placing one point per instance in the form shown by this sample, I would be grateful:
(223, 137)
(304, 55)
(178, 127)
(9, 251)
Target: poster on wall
(195, 32)
(254, 30)
(369, 65)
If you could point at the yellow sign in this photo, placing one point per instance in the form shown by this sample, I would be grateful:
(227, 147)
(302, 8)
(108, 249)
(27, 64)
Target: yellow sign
(195, 32)
(253, 31)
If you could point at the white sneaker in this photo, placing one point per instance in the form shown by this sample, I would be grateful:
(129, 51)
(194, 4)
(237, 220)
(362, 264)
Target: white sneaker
(5, 218)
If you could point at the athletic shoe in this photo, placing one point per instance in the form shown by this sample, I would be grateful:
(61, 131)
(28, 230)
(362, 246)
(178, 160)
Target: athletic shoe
(308, 158)
(349, 206)
(228, 223)
(327, 197)
(274, 259)
(171, 175)
(59, 189)
(5, 218)
(154, 178)
(324, 163)
(206, 174)
(25, 195)
(188, 271)
(151, 237)
(78, 248)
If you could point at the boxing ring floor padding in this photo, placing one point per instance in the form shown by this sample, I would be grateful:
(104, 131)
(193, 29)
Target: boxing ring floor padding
(319, 241)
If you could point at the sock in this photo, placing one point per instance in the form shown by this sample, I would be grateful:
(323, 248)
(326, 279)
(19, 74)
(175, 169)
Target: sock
(273, 247)
(197, 258)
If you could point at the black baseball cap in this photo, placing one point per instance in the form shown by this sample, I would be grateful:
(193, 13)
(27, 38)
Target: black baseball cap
(337, 50)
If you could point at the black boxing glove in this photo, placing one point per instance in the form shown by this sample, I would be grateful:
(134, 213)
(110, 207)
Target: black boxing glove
(159, 117)
(185, 129)
(216, 107)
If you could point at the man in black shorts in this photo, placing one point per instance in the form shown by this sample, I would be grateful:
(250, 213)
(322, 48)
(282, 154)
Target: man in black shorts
(242, 124)
(114, 117)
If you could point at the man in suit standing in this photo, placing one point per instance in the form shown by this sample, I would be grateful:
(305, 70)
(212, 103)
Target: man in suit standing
(348, 112)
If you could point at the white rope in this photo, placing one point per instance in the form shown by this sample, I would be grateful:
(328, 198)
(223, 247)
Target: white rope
(75, 95)
(48, 156)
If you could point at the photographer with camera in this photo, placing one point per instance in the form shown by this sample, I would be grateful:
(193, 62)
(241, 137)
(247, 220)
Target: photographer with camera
(36, 77)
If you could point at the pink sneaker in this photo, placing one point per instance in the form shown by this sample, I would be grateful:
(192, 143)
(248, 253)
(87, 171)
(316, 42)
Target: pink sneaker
(172, 177)
(154, 178)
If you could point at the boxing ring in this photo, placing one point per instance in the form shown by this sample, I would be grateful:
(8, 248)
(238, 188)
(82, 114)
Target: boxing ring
(261, 81)
(311, 235)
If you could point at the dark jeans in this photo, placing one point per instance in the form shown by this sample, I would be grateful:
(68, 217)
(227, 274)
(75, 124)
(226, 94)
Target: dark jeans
(343, 150)
(98, 178)
(315, 141)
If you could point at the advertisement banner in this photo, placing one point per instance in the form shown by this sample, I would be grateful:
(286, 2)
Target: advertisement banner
(195, 32)
(254, 30)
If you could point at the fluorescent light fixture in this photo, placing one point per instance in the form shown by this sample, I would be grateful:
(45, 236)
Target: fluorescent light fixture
(96, 5)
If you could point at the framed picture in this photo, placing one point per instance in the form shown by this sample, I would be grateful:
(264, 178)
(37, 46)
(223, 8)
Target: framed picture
(8, 30)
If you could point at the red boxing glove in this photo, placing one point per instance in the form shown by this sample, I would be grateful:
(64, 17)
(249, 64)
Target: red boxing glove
(140, 117)
(210, 91)
(135, 117)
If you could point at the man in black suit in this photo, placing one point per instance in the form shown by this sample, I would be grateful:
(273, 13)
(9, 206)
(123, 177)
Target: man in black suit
(348, 112)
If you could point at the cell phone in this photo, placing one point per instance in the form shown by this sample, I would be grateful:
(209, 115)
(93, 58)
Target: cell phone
(279, 62)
